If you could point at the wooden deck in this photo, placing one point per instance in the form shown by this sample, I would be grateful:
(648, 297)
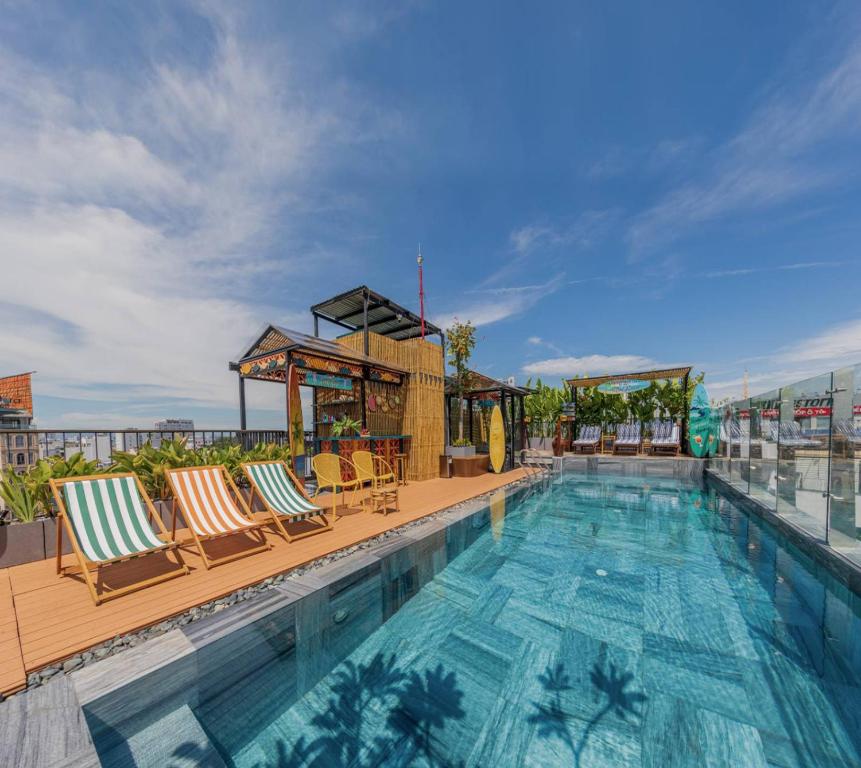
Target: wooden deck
(45, 618)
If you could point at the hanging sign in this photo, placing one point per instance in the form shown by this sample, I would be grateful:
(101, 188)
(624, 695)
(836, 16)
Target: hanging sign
(324, 380)
(622, 386)
(569, 409)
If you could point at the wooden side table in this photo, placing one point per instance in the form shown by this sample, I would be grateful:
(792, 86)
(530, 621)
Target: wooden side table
(607, 443)
(382, 498)
(401, 465)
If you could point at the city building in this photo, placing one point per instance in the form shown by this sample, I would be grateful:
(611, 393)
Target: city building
(19, 445)
(177, 427)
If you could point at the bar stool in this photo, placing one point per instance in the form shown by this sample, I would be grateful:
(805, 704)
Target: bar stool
(401, 465)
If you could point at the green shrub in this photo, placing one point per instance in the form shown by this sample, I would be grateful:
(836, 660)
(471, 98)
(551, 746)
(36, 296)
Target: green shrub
(28, 496)
(18, 495)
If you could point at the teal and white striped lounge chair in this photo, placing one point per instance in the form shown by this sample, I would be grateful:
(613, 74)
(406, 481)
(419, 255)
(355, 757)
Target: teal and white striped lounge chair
(284, 497)
(109, 519)
(628, 438)
(665, 438)
(589, 439)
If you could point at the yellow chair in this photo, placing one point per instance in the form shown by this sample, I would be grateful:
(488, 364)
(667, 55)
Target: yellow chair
(371, 468)
(384, 482)
(327, 470)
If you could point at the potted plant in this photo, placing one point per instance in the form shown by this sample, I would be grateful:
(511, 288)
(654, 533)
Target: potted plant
(461, 342)
(346, 427)
(460, 448)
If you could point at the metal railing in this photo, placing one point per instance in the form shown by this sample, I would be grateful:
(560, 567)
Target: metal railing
(101, 444)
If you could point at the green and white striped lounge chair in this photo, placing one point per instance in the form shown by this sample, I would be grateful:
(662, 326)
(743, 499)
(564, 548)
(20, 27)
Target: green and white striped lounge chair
(284, 497)
(108, 519)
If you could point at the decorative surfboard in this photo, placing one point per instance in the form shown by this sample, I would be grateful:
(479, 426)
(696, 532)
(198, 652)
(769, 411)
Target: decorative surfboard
(700, 422)
(497, 440)
(297, 429)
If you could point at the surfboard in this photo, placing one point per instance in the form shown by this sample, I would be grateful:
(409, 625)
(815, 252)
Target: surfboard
(497, 440)
(297, 433)
(699, 422)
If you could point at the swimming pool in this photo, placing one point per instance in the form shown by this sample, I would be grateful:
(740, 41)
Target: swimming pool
(609, 621)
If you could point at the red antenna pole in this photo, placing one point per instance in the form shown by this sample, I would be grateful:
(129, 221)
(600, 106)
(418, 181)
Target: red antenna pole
(420, 260)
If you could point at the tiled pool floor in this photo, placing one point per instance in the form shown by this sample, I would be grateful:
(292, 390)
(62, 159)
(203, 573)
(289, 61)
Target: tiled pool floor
(607, 623)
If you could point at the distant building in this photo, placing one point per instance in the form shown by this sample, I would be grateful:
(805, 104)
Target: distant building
(19, 450)
(179, 428)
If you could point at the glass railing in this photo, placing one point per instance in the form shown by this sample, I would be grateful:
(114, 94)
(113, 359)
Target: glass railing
(797, 450)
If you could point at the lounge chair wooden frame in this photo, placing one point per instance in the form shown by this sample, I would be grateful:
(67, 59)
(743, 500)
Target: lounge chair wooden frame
(254, 526)
(334, 483)
(85, 564)
(273, 513)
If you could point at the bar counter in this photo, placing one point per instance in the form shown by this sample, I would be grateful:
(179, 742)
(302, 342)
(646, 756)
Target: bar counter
(385, 446)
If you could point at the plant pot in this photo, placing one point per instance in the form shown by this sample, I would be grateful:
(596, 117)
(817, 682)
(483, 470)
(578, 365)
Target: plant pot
(21, 543)
(460, 451)
(541, 443)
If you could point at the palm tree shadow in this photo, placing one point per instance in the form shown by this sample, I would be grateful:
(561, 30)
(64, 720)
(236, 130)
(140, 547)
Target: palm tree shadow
(554, 722)
(418, 706)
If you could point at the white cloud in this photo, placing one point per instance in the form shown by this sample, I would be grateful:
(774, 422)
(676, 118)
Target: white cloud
(582, 232)
(839, 345)
(137, 217)
(500, 303)
(779, 268)
(770, 161)
(593, 365)
(809, 356)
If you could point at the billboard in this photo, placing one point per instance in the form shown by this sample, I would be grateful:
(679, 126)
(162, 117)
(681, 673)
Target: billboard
(16, 393)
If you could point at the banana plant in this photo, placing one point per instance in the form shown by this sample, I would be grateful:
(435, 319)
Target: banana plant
(345, 426)
(19, 496)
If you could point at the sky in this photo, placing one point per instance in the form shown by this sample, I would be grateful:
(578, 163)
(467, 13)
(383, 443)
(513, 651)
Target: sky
(598, 187)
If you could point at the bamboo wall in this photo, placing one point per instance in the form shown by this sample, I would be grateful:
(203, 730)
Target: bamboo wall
(421, 410)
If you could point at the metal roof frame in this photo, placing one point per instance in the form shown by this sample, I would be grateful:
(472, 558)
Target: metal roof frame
(385, 317)
(486, 384)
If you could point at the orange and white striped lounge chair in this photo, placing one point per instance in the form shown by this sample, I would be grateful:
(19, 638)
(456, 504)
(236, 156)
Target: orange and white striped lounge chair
(212, 507)
(283, 496)
(108, 519)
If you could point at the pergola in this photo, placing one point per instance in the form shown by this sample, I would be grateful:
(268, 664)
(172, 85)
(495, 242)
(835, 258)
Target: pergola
(269, 358)
(362, 309)
(508, 396)
(682, 374)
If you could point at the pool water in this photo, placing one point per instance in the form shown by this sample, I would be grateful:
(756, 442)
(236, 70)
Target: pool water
(607, 622)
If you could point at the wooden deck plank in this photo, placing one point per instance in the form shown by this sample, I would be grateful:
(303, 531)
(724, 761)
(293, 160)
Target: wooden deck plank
(12, 675)
(54, 617)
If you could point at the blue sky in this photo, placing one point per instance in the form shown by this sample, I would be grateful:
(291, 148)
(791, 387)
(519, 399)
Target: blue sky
(597, 188)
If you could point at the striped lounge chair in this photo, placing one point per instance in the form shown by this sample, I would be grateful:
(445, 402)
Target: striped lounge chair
(587, 442)
(108, 520)
(283, 496)
(665, 438)
(212, 507)
(628, 438)
(851, 434)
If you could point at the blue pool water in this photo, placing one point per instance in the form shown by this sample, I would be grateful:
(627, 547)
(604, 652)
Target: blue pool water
(607, 622)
